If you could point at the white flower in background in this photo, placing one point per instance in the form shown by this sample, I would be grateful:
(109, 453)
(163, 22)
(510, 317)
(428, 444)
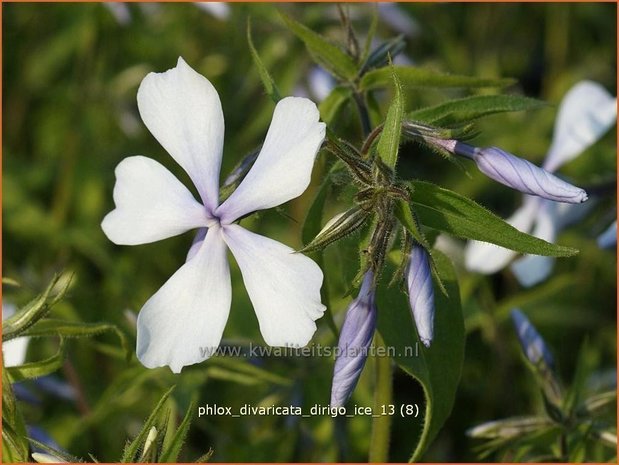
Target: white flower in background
(585, 115)
(183, 322)
(219, 10)
(13, 351)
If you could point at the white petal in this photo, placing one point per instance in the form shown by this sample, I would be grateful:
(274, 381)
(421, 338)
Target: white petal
(182, 110)
(284, 286)
(284, 167)
(13, 351)
(487, 258)
(586, 112)
(151, 204)
(197, 243)
(183, 322)
(533, 269)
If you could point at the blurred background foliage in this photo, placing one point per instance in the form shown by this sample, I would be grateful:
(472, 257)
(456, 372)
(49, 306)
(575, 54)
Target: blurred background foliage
(70, 76)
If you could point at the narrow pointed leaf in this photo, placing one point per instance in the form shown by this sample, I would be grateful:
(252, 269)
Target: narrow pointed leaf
(467, 109)
(37, 369)
(14, 443)
(53, 327)
(170, 454)
(422, 77)
(265, 77)
(322, 51)
(447, 211)
(389, 141)
(132, 450)
(35, 310)
(437, 368)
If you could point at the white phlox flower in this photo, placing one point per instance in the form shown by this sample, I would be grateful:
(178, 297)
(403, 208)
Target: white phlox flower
(586, 113)
(183, 322)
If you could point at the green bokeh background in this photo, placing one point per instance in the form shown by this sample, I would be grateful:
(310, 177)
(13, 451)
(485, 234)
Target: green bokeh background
(70, 76)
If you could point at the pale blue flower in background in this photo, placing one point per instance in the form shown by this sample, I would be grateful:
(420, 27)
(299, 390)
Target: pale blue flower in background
(532, 344)
(608, 238)
(355, 338)
(421, 293)
(586, 113)
(183, 322)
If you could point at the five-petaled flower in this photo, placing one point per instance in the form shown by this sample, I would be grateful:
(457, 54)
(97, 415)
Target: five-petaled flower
(183, 322)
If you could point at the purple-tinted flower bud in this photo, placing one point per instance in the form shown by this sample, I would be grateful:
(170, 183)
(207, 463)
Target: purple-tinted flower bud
(421, 293)
(355, 339)
(524, 176)
(532, 344)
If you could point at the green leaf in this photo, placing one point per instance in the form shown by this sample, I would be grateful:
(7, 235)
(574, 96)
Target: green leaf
(52, 327)
(583, 369)
(447, 211)
(467, 109)
(330, 106)
(370, 34)
(322, 51)
(132, 450)
(243, 371)
(35, 310)
(423, 77)
(389, 141)
(436, 368)
(14, 443)
(170, 454)
(265, 77)
(41, 368)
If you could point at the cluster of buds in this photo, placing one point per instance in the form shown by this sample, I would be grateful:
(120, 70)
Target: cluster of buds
(375, 203)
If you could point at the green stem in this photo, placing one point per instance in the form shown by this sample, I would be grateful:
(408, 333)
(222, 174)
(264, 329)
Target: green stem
(364, 115)
(381, 424)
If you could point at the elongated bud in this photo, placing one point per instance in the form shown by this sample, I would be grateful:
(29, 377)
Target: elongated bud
(148, 444)
(358, 168)
(355, 339)
(509, 427)
(542, 362)
(337, 227)
(40, 457)
(531, 342)
(421, 293)
(524, 176)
